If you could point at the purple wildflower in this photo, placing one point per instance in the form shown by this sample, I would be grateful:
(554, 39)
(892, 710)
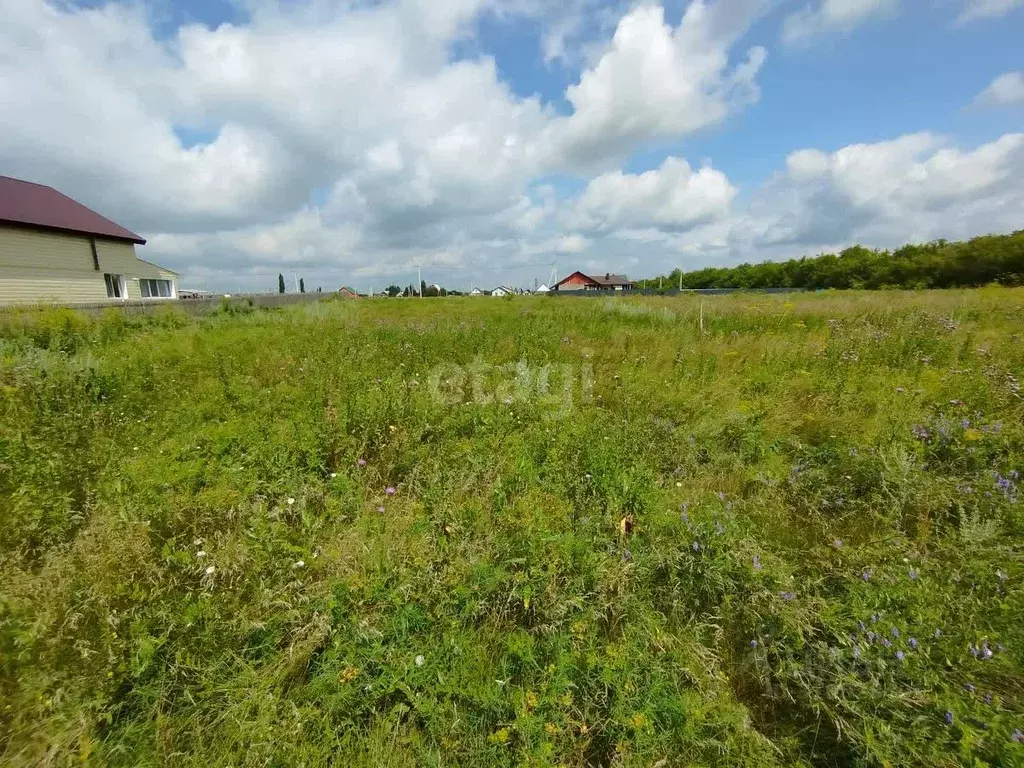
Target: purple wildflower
(974, 651)
(970, 688)
(753, 643)
(361, 462)
(721, 496)
(838, 544)
(886, 643)
(1001, 575)
(988, 698)
(719, 528)
(626, 555)
(1017, 736)
(856, 651)
(949, 718)
(860, 625)
(380, 508)
(685, 515)
(757, 563)
(986, 652)
(938, 634)
(912, 642)
(866, 574)
(695, 546)
(899, 655)
(872, 637)
(787, 596)
(895, 632)
(913, 574)
(874, 618)
(390, 490)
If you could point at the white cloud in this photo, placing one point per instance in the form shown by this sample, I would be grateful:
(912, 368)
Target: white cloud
(673, 196)
(832, 16)
(986, 9)
(1005, 90)
(656, 82)
(916, 187)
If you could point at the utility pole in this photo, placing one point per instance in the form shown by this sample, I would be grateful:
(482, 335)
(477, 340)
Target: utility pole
(680, 278)
(419, 277)
(295, 277)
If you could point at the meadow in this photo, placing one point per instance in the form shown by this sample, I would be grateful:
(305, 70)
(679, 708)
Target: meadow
(540, 531)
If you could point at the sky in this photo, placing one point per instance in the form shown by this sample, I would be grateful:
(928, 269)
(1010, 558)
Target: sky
(487, 142)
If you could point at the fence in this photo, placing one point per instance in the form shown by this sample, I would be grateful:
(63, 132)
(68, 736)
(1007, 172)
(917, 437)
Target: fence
(191, 306)
(675, 292)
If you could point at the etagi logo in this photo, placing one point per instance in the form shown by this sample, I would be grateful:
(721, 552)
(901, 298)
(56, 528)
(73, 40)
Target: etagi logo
(553, 389)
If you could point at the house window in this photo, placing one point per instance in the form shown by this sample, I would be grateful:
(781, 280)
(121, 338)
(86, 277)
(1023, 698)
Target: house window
(115, 286)
(155, 289)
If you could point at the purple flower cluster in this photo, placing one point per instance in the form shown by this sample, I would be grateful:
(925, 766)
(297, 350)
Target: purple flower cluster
(921, 433)
(1008, 485)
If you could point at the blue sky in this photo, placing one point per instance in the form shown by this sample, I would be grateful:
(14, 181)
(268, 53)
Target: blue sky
(356, 141)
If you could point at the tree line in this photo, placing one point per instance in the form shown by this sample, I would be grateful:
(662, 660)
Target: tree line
(939, 264)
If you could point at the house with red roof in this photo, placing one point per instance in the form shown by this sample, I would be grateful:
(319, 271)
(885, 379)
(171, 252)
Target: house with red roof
(55, 250)
(578, 281)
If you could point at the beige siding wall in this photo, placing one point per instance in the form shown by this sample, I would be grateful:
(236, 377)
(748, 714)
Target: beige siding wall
(54, 267)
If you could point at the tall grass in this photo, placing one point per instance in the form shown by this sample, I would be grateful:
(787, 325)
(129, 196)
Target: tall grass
(792, 539)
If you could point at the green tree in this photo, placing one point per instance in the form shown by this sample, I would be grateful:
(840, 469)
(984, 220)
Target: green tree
(302, 285)
(280, 283)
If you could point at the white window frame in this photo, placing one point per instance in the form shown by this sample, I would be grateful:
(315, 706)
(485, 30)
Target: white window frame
(122, 286)
(170, 287)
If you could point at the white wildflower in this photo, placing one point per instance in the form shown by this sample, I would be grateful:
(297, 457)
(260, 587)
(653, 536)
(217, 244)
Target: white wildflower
(300, 564)
(290, 501)
(209, 570)
(420, 661)
(200, 554)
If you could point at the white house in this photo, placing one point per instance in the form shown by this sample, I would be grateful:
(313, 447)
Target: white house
(476, 292)
(543, 289)
(502, 290)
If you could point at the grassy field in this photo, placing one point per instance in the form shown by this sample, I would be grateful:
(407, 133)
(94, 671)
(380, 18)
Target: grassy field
(516, 532)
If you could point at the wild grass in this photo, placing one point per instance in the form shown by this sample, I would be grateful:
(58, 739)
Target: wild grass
(792, 539)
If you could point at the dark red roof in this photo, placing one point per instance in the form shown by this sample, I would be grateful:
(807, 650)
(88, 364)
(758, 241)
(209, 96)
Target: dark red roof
(33, 205)
(607, 279)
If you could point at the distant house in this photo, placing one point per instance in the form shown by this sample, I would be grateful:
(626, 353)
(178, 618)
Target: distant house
(578, 281)
(543, 289)
(502, 290)
(54, 249)
(476, 292)
(347, 293)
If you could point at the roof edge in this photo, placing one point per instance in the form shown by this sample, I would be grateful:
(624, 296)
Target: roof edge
(137, 240)
(165, 269)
